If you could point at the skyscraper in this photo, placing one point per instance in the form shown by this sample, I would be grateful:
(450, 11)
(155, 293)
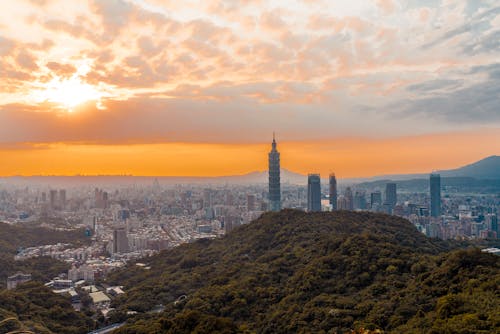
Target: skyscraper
(53, 199)
(375, 199)
(333, 191)
(120, 240)
(349, 199)
(274, 178)
(62, 198)
(435, 186)
(391, 197)
(313, 193)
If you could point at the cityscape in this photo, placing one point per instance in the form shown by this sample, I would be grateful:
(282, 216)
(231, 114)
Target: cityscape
(127, 223)
(249, 167)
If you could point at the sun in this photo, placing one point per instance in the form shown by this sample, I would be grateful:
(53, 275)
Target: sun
(68, 92)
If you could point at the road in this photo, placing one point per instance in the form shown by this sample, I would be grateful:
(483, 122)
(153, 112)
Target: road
(107, 329)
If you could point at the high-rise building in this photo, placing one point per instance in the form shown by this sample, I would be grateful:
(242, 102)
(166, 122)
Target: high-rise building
(349, 198)
(341, 203)
(120, 240)
(62, 198)
(359, 201)
(391, 196)
(250, 202)
(333, 191)
(274, 178)
(435, 186)
(313, 193)
(105, 200)
(207, 198)
(376, 200)
(53, 199)
(491, 221)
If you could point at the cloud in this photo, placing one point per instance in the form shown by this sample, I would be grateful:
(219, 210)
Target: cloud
(387, 6)
(450, 101)
(472, 25)
(62, 70)
(353, 64)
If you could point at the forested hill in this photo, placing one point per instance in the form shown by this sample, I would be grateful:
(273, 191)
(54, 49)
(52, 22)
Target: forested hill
(292, 272)
(32, 306)
(13, 237)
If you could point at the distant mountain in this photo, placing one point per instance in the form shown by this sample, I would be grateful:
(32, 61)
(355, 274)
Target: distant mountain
(485, 169)
(488, 168)
(328, 272)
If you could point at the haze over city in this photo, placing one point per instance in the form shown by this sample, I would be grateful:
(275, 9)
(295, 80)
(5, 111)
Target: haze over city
(193, 88)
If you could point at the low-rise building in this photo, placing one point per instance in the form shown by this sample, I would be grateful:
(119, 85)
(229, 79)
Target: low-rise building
(19, 278)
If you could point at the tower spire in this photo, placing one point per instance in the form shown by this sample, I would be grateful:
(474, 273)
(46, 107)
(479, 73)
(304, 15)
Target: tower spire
(274, 177)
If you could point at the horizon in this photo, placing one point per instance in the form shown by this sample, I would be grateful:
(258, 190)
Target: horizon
(244, 174)
(197, 89)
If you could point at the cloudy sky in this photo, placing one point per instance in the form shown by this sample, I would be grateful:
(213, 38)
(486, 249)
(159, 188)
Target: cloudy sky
(159, 87)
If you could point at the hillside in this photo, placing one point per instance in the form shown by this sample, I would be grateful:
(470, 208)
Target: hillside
(298, 272)
(32, 306)
(487, 168)
(42, 269)
(476, 174)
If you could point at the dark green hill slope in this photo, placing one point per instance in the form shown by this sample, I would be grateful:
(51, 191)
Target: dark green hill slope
(42, 269)
(319, 272)
(32, 306)
(36, 308)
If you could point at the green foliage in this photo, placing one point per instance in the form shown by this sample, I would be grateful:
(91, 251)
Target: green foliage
(31, 305)
(38, 309)
(187, 322)
(316, 272)
(44, 268)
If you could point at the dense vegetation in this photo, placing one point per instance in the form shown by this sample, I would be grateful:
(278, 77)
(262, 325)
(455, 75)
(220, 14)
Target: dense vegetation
(318, 272)
(12, 237)
(34, 307)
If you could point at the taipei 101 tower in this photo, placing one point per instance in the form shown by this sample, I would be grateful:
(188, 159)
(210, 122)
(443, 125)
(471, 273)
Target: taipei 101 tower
(274, 178)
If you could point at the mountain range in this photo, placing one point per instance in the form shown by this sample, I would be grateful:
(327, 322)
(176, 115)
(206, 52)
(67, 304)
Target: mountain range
(485, 169)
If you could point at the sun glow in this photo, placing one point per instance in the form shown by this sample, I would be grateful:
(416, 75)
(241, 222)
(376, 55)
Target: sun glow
(69, 92)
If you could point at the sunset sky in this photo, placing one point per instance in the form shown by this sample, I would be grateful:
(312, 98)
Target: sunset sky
(159, 87)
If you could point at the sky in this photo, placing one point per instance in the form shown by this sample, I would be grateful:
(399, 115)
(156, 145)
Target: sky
(197, 88)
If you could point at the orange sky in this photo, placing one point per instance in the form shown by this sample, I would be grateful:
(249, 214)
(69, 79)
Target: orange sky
(348, 157)
(153, 87)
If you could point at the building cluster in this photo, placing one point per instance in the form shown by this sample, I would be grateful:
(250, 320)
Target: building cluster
(457, 216)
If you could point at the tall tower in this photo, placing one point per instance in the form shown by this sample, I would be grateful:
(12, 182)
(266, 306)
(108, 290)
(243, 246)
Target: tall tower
(313, 193)
(274, 178)
(333, 191)
(53, 199)
(391, 197)
(435, 185)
